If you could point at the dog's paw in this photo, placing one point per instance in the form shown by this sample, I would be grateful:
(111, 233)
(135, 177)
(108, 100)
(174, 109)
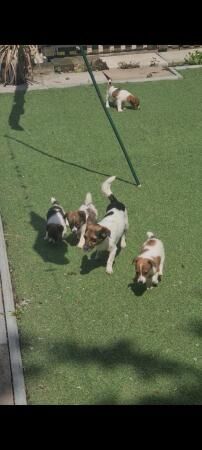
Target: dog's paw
(109, 270)
(155, 282)
(81, 243)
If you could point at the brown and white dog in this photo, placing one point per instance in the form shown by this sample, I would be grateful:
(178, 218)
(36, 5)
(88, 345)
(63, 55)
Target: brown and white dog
(78, 220)
(149, 263)
(56, 224)
(106, 234)
(120, 96)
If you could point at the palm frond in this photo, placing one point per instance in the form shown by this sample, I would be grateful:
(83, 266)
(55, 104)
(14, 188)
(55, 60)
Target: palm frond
(16, 63)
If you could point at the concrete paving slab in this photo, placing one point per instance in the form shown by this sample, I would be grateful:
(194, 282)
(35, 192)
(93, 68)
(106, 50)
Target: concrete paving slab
(64, 80)
(146, 71)
(143, 59)
(10, 339)
(6, 387)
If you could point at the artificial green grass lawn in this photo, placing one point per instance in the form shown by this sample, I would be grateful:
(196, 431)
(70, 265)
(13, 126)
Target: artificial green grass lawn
(87, 337)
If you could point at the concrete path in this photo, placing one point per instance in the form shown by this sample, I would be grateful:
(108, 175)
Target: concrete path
(145, 72)
(12, 387)
(6, 387)
(143, 59)
(64, 80)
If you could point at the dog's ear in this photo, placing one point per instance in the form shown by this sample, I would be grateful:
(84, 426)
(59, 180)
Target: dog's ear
(103, 233)
(134, 260)
(82, 216)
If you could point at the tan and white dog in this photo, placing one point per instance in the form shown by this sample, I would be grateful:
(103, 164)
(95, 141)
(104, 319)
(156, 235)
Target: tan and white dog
(108, 232)
(120, 96)
(78, 220)
(149, 263)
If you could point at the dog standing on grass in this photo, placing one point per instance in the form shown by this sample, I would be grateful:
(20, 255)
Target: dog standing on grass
(120, 96)
(149, 263)
(108, 232)
(56, 225)
(78, 220)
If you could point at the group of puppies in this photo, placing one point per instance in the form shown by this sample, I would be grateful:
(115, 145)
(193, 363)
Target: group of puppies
(110, 232)
(106, 234)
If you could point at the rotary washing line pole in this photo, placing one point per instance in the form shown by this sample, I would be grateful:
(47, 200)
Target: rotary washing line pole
(80, 47)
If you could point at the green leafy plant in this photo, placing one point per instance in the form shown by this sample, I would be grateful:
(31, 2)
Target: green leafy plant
(80, 67)
(99, 64)
(130, 65)
(194, 58)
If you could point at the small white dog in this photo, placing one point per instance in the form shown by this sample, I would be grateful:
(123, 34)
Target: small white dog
(106, 234)
(149, 263)
(78, 220)
(120, 96)
(56, 225)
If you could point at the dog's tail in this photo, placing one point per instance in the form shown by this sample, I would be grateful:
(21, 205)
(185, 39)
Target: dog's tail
(106, 186)
(58, 207)
(53, 200)
(92, 211)
(150, 234)
(108, 78)
(88, 199)
(106, 190)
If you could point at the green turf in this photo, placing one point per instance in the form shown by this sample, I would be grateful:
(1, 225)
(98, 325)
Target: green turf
(86, 337)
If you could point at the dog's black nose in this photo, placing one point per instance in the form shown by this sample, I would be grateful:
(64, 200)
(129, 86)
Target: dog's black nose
(85, 248)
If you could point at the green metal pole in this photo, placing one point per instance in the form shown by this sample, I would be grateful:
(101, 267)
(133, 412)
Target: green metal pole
(108, 116)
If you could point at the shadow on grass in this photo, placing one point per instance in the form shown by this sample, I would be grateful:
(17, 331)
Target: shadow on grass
(147, 366)
(17, 109)
(138, 288)
(195, 327)
(187, 394)
(89, 264)
(185, 389)
(113, 106)
(54, 253)
(78, 166)
(72, 239)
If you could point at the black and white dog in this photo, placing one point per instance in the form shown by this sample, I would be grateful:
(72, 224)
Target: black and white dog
(56, 222)
(106, 234)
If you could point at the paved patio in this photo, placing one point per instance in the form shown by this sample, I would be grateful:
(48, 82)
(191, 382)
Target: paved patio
(145, 71)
